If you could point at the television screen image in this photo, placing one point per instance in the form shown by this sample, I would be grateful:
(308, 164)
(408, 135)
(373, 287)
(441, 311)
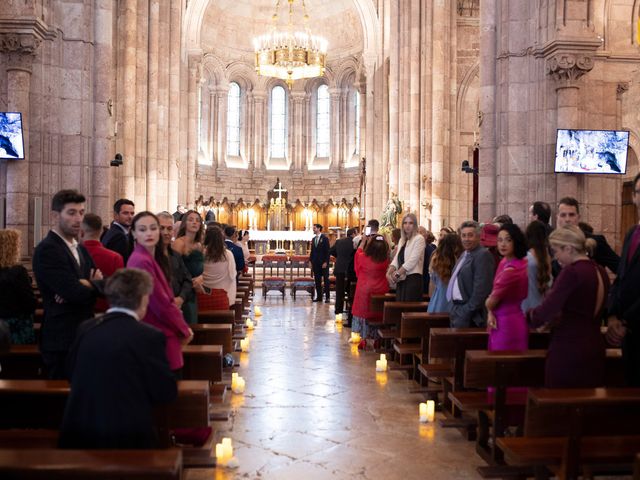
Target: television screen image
(592, 151)
(11, 141)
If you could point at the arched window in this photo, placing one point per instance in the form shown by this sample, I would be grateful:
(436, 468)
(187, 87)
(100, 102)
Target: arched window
(356, 121)
(278, 145)
(233, 120)
(323, 125)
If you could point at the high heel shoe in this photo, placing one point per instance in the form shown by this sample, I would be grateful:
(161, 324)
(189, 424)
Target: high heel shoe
(362, 345)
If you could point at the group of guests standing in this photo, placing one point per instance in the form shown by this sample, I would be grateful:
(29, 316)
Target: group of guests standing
(509, 280)
(72, 263)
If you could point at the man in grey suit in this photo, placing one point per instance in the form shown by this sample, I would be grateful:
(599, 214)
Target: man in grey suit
(471, 281)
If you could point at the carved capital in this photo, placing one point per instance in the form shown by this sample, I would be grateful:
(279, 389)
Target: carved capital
(568, 66)
(621, 89)
(20, 49)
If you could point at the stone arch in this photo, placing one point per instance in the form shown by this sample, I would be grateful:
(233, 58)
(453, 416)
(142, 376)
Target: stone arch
(214, 70)
(192, 27)
(242, 73)
(346, 72)
(614, 36)
(469, 77)
(634, 144)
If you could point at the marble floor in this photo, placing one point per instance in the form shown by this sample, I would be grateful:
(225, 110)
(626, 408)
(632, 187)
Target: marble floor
(314, 408)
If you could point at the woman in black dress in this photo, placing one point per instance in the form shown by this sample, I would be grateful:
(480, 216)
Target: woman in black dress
(17, 301)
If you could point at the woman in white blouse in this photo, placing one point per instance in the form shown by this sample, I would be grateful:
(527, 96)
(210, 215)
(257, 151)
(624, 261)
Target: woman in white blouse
(219, 269)
(405, 271)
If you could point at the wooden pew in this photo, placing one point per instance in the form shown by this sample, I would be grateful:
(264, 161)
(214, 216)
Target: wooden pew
(214, 334)
(391, 315)
(201, 362)
(217, 316)
(40, 404)
(414, 327)
(500, 370)
(51, 464)
(636, 468)
(570, 429)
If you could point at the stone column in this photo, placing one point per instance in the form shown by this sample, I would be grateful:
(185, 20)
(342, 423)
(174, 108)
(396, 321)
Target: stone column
(335, 163)
(192, 135)
(412, 201)
(103, 140)
(162, 200)
(488, 134)
(298, 125)
(19, 51)
(128, 28)
(259, 126)
(174, 114)
(566, 68)
(152, 109)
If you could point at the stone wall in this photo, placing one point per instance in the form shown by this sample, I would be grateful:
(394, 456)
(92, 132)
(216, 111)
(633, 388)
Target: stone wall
(251, 184)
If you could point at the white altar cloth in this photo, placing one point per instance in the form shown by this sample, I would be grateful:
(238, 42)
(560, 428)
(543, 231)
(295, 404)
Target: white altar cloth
(280, 235)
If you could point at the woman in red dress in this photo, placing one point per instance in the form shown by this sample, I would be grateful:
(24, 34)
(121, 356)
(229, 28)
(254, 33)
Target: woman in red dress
(371, 263)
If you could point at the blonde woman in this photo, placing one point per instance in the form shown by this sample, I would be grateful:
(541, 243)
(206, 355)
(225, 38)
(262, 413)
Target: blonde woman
(573, 309)
(17, 302)
(405, 271)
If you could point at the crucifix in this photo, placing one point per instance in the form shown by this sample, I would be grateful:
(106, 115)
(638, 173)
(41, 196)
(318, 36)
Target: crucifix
(279, 190)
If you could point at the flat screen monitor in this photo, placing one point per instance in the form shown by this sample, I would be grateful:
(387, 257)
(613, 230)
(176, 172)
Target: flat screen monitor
(11, 139)
(591, 151)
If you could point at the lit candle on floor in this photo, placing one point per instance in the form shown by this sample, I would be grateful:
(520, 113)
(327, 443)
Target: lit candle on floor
(234, 380)
(381, 365)
(249, 323)
(431, 410)
(423, 413)
(227, 448)
(257, 311)
(355, 337)
(239, 386)
(338, 318)
(244, 345)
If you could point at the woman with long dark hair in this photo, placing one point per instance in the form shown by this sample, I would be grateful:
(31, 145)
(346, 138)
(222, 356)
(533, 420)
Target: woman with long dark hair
(188, 243)
(506, 322)
(162, 313)
(538, 264)
(219, 276)
(441, 268)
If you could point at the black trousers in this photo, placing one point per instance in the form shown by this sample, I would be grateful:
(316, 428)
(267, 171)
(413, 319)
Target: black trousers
(343, 285)
(410, 289)
(318, 275)
(631, 358)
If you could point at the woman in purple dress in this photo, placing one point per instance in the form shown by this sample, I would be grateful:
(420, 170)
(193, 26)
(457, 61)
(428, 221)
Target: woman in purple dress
(506, 322)
(573, 309)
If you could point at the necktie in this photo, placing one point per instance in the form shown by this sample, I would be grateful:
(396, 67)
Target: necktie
(454, 276)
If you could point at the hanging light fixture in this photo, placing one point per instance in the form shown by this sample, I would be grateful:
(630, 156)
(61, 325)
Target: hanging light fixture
(290, 54)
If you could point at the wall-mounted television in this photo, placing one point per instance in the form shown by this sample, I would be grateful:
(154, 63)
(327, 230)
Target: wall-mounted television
(11, 139)
(591, 151)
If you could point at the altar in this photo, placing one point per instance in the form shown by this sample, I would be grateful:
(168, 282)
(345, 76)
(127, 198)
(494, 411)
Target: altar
(296, 240)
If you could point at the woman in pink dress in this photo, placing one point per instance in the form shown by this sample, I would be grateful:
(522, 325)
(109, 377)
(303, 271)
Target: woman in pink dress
(506, 322)
(162, 312)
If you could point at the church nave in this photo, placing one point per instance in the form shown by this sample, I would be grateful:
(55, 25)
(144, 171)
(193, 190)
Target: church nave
(315, 408)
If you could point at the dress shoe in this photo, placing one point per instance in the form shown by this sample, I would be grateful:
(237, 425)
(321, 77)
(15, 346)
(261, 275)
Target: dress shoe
(316, 300)
(326, 300)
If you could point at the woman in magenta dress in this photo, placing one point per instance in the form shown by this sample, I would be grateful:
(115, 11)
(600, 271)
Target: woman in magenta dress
(162, 312)
(506, 322)
(572, 309)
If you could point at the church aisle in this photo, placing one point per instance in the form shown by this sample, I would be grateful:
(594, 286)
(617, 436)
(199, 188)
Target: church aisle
(314, 409)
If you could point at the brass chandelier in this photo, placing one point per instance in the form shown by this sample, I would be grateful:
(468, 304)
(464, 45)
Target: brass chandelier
(290, 54)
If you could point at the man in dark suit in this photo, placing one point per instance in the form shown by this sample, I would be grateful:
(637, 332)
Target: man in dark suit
(231, 234)
(67, 278)
(624, 300)
(117, 238)
(471, 281)
(569, 214)
(319, 258)
(118, 371)
(541, 211)
(344, 251)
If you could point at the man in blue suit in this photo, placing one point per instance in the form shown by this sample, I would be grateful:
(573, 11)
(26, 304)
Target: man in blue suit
(319, 258)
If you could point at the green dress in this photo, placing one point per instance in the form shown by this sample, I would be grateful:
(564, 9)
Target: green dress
(195, 264)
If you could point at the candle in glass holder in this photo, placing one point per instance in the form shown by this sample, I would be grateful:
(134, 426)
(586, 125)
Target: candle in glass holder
(244, 345)
(234, 380)
(423, 412)
(239, 386)
(338, 318)
(227, 448)
(431, 410)
(381, 365)
(249, 324)
(257, 311)
(355, 337)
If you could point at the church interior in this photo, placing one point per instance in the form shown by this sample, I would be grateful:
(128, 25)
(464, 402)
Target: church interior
(451, 110)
